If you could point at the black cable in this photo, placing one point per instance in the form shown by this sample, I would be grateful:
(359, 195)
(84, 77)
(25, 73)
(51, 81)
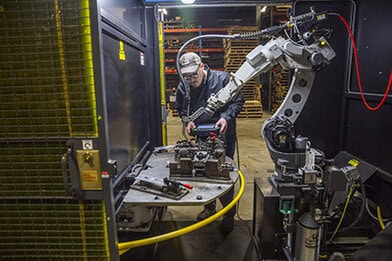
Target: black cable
(378, 202)
(155, 246)
(238, 152)
(323, 240)
(362, 210)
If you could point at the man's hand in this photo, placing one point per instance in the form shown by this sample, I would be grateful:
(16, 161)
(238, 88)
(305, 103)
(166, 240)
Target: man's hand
(190, 127)
(222, 123)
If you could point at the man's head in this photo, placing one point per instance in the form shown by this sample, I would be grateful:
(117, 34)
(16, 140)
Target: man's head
(191, 69)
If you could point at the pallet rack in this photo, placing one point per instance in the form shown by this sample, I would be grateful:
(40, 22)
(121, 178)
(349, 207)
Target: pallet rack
(235, 53)
(280, 87)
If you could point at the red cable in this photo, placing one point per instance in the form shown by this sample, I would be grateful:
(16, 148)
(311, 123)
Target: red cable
(358, 72)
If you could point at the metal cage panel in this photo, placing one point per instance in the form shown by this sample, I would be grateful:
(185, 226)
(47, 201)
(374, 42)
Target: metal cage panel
(47, 96)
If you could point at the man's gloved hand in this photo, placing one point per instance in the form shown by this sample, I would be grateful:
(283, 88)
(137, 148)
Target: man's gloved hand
(222, 123)
(190, 127)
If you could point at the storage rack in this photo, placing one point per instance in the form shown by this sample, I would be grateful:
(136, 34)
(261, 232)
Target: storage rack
(280, 87)
(232, 53)
(235, 53)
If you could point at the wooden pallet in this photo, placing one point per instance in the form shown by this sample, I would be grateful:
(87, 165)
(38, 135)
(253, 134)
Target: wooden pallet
(172, 110)
(280, 87)
(235, 56)
(251, 109)
(242, 29)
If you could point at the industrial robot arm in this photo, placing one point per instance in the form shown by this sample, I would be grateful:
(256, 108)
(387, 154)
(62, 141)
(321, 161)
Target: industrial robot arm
(304, 58)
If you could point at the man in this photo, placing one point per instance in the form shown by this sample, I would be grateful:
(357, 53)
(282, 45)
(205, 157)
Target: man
(203, 82)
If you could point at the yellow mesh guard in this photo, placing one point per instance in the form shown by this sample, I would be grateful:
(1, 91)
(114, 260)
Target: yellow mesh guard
(47, 96)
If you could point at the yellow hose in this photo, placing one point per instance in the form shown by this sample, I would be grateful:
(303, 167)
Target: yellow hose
(343, 213)
(125, 246)
(379, 216)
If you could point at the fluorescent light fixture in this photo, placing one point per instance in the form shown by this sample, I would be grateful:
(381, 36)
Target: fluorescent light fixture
(263, 9)
(187, 2)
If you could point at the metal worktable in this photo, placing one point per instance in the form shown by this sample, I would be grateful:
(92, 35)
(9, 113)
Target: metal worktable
(204, 190)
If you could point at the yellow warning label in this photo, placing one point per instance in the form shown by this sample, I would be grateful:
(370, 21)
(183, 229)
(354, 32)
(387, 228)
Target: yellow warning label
(90, 176)
(321, 17)
(121, 52)
(353, 162)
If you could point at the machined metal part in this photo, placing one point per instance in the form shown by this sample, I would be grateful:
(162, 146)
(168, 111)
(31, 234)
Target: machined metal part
(195, 115)
(206, 158)
(309, 175)
(163, 191)
(162, 187)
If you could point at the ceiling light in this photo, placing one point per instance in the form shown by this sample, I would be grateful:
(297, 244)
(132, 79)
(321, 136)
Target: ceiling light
(187, 2)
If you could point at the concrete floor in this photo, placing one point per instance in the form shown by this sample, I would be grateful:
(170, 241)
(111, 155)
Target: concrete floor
(254, 162)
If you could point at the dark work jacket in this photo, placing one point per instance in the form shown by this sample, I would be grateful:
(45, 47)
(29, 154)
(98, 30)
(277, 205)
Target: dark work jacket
(216, 80)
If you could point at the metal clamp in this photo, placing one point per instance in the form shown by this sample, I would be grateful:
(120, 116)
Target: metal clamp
(64, 166)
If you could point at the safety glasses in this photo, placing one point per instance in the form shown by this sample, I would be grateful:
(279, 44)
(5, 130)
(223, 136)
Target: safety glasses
(194, 75)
